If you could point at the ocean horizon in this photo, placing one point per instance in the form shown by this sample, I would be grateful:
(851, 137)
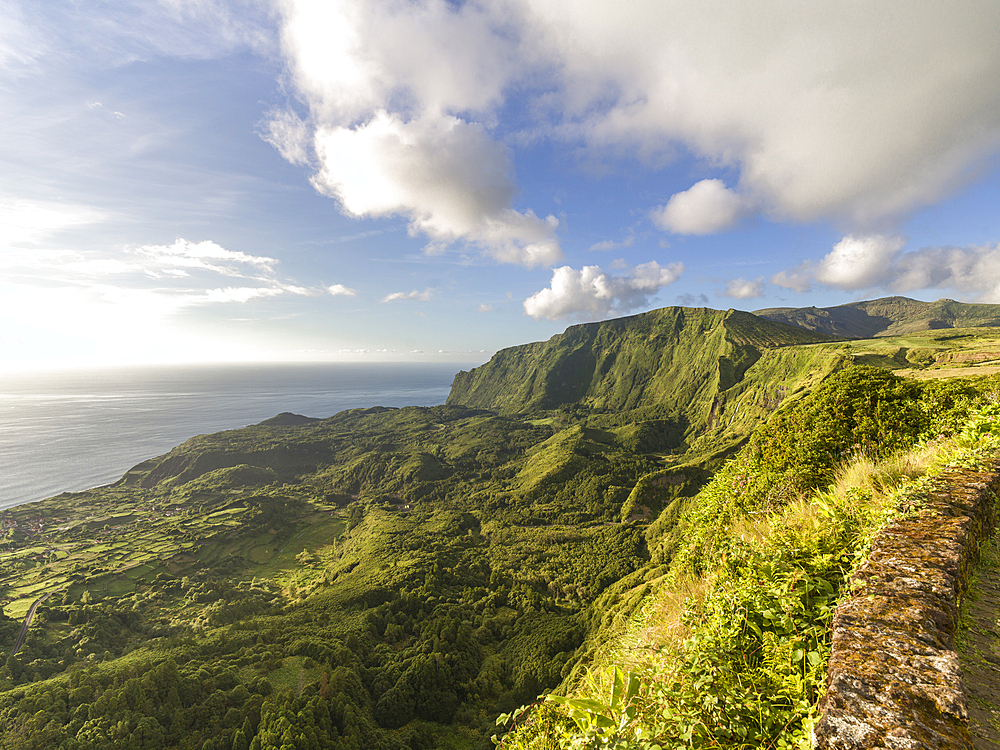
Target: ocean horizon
(73, 430)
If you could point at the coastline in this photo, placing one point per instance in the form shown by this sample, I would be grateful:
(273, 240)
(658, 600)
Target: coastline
(82, 430)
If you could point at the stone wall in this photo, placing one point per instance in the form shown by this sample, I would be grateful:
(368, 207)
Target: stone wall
(894, 679)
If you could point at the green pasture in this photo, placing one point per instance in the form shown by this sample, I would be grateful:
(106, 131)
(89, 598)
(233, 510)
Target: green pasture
(293, 675)
(272, 555)
(226, 513)
(18, 608)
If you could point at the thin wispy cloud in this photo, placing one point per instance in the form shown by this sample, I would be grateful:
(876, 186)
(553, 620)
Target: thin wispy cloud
(605, 245)
(424, 296)
(29, 222)
(204, 255)
(241, 294)
(171, 277)
(20, 42)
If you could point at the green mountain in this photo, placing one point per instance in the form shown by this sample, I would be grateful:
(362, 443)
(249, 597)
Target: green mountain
(889, 316)
(678, 365)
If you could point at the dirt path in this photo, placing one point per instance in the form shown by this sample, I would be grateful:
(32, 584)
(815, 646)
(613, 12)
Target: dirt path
(979, 649)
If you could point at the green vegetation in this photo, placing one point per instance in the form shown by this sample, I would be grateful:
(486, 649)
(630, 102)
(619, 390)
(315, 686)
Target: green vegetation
(729, 648)
(443, 562)
(624, 515)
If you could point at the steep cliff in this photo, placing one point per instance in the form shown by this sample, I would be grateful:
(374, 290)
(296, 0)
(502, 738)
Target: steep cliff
(671, 364)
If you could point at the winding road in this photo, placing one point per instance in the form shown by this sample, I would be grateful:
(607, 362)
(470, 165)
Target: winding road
(27, 623)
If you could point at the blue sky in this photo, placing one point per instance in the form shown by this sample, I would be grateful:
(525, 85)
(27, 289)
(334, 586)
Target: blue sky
(200, 180)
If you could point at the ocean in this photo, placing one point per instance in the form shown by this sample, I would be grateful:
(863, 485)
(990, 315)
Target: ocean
(69, 431)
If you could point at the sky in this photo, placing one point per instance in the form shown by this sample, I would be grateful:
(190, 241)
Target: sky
(433, 180)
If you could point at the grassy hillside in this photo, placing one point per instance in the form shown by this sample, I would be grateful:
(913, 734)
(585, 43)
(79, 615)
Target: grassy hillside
(889, 316)
(722, 639)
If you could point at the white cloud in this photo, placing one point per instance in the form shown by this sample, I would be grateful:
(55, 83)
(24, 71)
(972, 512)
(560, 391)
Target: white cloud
(879, 262)
(240, 294)
(32, 221)
(199, 254)
(180, 268)
(87, 321)
(339, 290)
(424, 296)
(111, 294)
(448, 176)
(861, 113)
(707, 207)
(613, 245)
(392, 90)
(288, 133)
(591, 294)
(742, 289)
(855, 263)
(797, 279)
(971, 272)
(859, 262)
(484, 308)
(350, 59)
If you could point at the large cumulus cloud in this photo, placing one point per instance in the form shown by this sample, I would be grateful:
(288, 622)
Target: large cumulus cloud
(859, 112)
(399, 98)
(447, 175)
(881, 262)
(591, 294)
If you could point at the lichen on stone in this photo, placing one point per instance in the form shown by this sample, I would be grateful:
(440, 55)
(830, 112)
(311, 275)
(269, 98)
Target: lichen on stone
(894, 677)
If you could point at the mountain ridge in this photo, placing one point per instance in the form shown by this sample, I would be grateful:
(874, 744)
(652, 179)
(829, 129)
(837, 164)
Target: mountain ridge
(591, 362)
(886, 316)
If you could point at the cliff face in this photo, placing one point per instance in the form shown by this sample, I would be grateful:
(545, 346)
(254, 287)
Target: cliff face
(672, 361)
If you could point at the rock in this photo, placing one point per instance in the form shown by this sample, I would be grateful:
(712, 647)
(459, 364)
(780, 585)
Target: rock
(894, 679)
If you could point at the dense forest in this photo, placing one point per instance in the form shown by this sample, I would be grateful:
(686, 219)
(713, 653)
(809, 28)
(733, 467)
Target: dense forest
(399, 578)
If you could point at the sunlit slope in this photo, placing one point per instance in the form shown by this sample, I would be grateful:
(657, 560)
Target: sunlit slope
(669, 364)
(889, 316)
